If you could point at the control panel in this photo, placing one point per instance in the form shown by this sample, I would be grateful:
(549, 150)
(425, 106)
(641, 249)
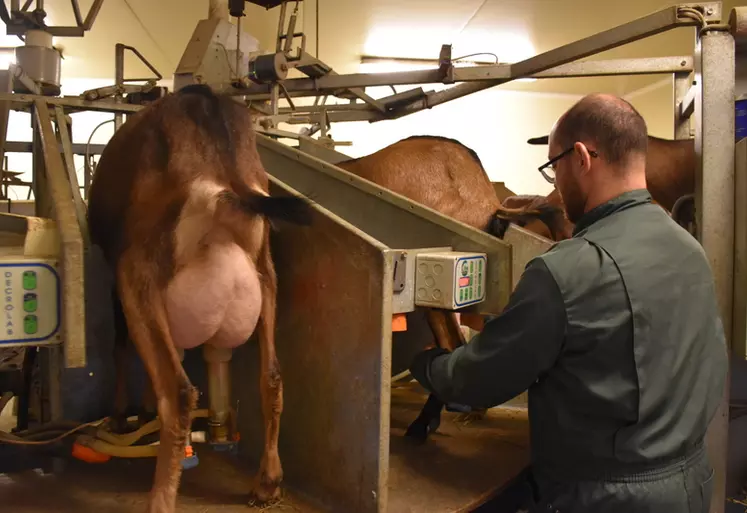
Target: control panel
(31, 302)
(450, 280)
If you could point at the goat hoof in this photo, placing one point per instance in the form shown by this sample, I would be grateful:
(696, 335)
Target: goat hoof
(264, 495)
(434, 424)
(417, 431)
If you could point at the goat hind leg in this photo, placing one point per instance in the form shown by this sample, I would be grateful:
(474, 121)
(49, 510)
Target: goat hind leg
(176, 397)
(121, 361)
(449, 336)
(270, 476)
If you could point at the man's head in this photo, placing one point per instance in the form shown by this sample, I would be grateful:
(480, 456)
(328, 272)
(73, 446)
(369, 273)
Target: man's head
(599, 146)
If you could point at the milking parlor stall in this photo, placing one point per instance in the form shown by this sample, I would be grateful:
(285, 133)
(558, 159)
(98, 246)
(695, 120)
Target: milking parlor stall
(370, 278)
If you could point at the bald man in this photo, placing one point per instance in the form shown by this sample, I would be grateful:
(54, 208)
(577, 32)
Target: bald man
(615, 333)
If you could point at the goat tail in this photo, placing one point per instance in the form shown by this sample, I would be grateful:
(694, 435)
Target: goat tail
(292, 209)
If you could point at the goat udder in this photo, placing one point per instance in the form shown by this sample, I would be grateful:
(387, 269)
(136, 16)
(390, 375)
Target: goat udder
(216, 299)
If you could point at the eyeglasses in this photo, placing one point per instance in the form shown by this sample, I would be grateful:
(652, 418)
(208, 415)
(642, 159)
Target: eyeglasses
(548, 168)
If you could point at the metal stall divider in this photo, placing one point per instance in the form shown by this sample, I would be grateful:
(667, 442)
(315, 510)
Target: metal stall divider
(334, 328)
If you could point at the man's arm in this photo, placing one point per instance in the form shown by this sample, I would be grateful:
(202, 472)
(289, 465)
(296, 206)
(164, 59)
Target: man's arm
(510, 353)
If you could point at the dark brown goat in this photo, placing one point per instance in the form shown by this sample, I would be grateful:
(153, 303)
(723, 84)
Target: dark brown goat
(179, 205)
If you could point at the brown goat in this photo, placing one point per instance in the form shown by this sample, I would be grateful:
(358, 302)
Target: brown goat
(179, 205)
(446, 176)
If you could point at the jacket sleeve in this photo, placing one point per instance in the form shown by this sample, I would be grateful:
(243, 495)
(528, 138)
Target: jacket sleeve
(512, 351)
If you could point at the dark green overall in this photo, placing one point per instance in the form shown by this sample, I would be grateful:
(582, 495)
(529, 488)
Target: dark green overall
(616, 333)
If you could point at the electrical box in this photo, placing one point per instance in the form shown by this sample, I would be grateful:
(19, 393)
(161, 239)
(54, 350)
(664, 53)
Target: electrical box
(450, 280)
(31, 302)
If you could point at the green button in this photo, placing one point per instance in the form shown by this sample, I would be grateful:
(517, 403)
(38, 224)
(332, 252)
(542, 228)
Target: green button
(30, 302)
(30, 324)
(471, 267)
(480, 266)
(29, 280)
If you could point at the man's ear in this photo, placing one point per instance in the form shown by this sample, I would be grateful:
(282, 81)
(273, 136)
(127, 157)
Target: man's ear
(582, 152)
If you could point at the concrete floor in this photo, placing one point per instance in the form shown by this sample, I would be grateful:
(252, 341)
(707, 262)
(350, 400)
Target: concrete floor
(461, 466)
(217, 485)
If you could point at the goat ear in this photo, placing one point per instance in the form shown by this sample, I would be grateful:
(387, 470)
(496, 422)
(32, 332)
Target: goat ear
(539, 140)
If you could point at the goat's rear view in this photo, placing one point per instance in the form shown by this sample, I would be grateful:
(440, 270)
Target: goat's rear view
(179, 205)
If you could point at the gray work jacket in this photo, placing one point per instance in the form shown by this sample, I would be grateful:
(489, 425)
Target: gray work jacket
(617, 336)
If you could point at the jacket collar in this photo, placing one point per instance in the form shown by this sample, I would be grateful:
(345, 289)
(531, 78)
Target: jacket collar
(622, 202)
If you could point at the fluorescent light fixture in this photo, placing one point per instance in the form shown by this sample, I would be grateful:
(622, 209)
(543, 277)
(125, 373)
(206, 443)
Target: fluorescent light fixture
(383, 65)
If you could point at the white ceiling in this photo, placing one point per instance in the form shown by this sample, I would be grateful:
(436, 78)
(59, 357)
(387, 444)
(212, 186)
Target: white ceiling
(511, 29)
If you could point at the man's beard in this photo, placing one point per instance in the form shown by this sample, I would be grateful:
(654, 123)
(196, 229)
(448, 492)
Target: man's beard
(573, 201)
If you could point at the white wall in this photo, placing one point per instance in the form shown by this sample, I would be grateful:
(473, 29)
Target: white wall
(656, 105)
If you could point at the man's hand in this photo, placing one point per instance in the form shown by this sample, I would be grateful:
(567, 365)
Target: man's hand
(420, 367)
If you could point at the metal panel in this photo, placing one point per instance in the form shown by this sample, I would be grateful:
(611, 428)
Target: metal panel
(526, 245)
(714, 188)
(391, 218)
(333, 341)
(70, 236)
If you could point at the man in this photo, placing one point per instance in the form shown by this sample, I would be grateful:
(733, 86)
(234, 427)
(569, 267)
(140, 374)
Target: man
(615, 333)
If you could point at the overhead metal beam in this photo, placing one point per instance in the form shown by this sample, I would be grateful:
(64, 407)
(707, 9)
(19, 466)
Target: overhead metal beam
(650, 25)
(635, 30)
(299, 87)
(77, 148)
(100, 106)
(660, 65)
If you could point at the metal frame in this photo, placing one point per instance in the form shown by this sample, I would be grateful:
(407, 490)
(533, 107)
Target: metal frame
(553, 64)
(714, 202)
(71, 228)
(19, 19)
